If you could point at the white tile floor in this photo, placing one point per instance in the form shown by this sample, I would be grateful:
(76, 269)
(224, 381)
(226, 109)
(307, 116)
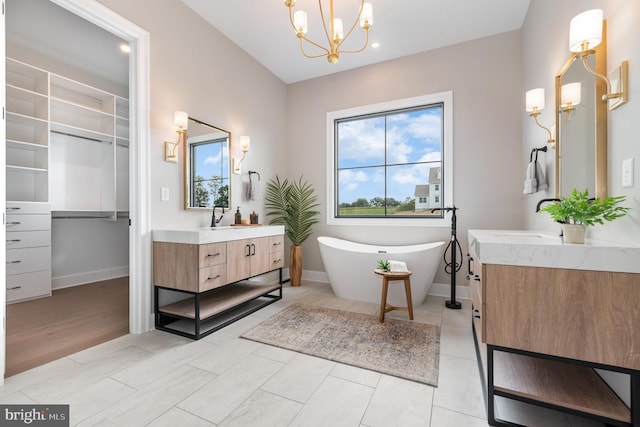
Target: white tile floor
(160, 379)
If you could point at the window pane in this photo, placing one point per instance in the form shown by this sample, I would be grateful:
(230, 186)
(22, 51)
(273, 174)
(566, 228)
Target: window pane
(358, 188)
(210, 174)
(361, 142)
(414, 136)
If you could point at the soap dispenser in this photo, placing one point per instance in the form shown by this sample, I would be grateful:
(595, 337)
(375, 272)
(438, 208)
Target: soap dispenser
(238, 216)
(254, 218)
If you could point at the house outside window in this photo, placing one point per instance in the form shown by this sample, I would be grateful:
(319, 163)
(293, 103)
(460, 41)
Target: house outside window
(390, 163)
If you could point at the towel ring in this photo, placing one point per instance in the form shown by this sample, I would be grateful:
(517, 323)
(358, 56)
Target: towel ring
(252, 173)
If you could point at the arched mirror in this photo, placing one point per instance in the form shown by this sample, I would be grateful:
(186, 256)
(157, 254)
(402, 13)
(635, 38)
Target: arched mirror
(581, 126)
(206, 166)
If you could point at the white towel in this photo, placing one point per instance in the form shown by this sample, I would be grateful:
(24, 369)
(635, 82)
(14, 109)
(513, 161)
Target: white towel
(253, 190)
(397, 266)
(530, 182)
(541, 180)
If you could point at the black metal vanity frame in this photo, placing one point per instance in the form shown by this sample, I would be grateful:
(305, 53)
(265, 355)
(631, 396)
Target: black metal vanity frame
(490, 392)
(163, 318)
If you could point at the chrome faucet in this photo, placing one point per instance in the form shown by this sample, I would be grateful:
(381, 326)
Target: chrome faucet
(214, 220)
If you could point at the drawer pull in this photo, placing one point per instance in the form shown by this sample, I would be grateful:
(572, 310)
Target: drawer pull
(14, 262)
(14, 288)
(276, 261)
(14, 223)
(216, 254)
(476, 278)
(13, 208)
(213, 278)
(476, 313)
(14, 240)
(277, 244)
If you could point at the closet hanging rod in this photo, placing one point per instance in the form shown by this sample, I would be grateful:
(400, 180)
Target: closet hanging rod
(81, 137)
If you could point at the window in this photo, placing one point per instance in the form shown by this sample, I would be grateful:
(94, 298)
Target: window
(390, 163)
(209, 173)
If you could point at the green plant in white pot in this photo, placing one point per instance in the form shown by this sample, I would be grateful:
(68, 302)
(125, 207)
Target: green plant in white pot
(292, 204)
(576, 212)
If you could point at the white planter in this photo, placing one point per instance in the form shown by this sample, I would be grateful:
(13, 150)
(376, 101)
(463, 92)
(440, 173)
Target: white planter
(574, 233)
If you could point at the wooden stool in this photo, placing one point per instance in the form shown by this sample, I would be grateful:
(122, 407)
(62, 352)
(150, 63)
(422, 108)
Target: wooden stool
(389, 276)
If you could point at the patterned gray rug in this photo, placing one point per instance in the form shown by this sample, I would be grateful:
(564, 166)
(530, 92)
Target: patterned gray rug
(400, 348)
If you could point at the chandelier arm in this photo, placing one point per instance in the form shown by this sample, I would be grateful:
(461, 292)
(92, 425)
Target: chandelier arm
(326, 52)
(324, 23)
(357, 20)
(366, 42)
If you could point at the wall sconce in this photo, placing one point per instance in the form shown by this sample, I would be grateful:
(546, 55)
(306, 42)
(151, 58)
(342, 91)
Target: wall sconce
(585, 33)
(534, 104)
(181, 120)
(570, 97)
(245, 142)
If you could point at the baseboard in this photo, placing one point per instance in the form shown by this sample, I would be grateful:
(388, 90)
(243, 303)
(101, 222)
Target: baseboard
(88, 277)
(437, 289)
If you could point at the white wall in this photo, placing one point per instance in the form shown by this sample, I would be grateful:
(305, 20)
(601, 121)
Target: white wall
(194, 68)
(485, 77)
(545, 37)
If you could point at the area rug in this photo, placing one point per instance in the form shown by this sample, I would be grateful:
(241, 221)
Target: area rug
(404, 349)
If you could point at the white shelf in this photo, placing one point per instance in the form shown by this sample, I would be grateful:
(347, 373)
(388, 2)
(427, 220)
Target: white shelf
(73, 92)
(86, 134)
(21, 75)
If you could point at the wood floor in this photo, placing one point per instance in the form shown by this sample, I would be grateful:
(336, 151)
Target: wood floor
(72, 319)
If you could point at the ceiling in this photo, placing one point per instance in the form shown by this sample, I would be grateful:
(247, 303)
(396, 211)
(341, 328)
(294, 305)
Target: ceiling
(402, 27)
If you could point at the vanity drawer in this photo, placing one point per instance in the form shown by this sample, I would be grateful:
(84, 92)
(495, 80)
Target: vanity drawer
(28, 285)
(28, 239)
(276, 260)
(28, 260)
(276, 244)
(212, 254)
(28, 222)
(212, 277)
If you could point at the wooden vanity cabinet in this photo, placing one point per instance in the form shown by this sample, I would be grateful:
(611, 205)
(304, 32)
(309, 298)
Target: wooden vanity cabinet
(210, 275)
(540, 332)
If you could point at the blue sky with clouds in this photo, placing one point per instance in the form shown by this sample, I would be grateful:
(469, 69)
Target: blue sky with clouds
(409, 141)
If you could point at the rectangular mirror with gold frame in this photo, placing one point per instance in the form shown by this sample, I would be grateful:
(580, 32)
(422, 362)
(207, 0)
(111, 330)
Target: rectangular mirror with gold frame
(581, 126)
(207, 180)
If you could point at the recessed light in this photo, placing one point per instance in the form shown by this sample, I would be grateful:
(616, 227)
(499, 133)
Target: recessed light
(125, 48)
(375, 45)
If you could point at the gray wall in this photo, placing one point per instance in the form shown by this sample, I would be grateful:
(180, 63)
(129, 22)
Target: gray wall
(485, 77)
(194, 68)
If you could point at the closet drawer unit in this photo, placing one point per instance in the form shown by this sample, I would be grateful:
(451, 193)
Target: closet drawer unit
(28, 285)
(28, 239)
(28, 208)
(28, 260)
(212, 277)
(27, 222)
(212, 254)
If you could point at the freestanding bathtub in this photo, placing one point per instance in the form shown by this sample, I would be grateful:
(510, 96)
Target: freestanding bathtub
(350, 266)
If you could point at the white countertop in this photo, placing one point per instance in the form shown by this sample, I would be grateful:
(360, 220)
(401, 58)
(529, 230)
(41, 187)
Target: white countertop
(215, 235)
(544, 249)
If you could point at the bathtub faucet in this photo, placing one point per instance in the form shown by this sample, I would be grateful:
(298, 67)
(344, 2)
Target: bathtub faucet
(214, 220)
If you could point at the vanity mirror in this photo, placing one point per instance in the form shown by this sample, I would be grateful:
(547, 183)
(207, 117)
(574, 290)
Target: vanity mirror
(581, 125)
(206, 166)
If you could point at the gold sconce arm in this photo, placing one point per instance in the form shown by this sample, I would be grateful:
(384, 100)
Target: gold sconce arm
(535, 115)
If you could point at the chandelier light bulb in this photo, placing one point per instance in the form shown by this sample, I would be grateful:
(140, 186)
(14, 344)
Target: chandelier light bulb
(366, 18)
(300, 22)
(338, 32)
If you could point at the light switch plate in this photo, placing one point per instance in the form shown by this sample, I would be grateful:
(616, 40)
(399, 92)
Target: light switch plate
(164, 194)
(627, 173)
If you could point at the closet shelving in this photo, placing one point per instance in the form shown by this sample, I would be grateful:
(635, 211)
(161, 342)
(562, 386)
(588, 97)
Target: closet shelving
(67, 155)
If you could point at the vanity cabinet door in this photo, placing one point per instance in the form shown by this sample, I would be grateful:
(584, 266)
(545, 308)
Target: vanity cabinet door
(238, 260)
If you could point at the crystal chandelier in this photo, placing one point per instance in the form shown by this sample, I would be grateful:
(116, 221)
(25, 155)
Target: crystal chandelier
(334, 32)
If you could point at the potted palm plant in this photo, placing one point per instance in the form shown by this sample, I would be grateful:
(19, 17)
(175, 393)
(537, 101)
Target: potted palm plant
(576, 212)
(292, 204)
